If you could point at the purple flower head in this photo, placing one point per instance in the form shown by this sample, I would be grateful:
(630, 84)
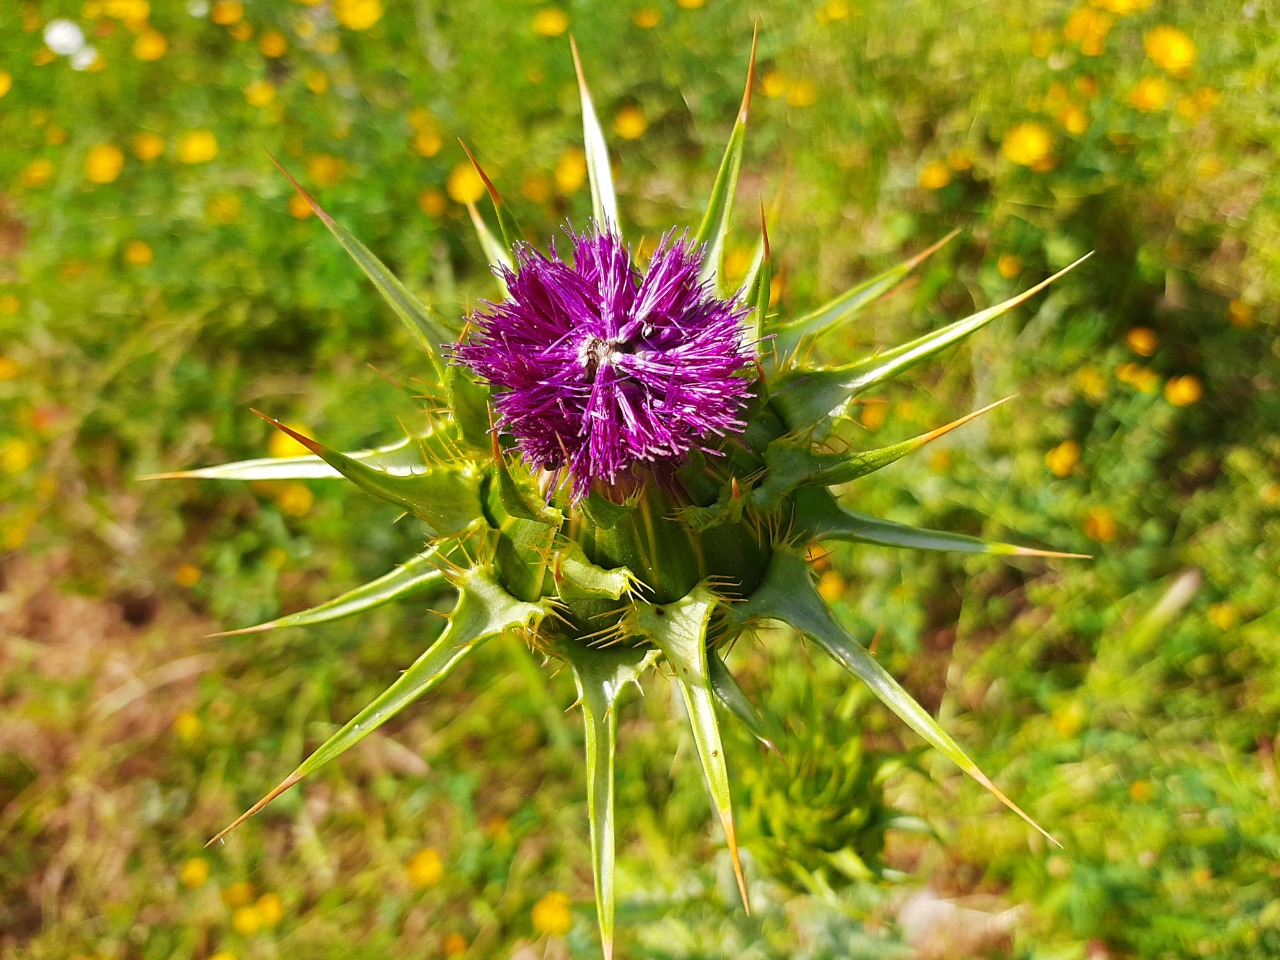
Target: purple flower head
(598, 368)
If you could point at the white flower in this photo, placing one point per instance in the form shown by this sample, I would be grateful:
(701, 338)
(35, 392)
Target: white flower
(64, 37)
(83, 58)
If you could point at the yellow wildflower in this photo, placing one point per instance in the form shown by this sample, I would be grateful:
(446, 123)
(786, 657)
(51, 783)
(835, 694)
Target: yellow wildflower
(148, 145)
(270, 909)
(427, 142)
(935, 175)
(802, 93)
(773, 84)
(1143, 341)
(223, 955)
(194, 872)
(425, 868)
(691, 4)
(187, 727)
(9, 305)
(432, 202)
(138, 253)
(55, 135)
(646, 18)
(16, 455)
(1170, 49)
(43, 57)
(273, 44)
(1029, 144)
(1062, 459)
(873, 415)
(317, 82)
(1122, 7)
(1073, 119)
(246, 920)
(1224, 615)
(1068, 720)
(187, 575)
(1009, 265)
(103, 163)
(325, 170)
(197, 146)
(38, 172)
(959, 160)
(1088, 28)
(1149, 93)
(259, 93)
(551, 915)
(130, 10)
(1100, 525)
(571, 170)
(1183, 391)
(1141, 791)
(831, 586)
(464, 184)
(6, 82)
(1041, 44)
(550, 22)
(834, 10)
(455, 944)
(536, 187)
(357, 14)
(295, 500)
(226, 12)
(630, 123)
(280, 444)
(150, 45)
(1240, 313)
(299, 208)
(241, 31)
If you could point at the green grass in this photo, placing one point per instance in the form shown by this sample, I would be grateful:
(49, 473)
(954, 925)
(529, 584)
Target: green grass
(1127, 703)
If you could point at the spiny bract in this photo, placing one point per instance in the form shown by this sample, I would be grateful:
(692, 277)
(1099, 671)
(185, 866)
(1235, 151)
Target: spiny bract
(624, 469)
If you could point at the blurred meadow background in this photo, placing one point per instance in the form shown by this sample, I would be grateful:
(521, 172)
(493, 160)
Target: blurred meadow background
(158, 277)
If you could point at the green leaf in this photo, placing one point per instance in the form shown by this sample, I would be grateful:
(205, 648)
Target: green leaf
(517, 494)
(679, 630)
(601, 676)
(417, 452)
(819, 517)
(493, 251)
(715, 222)
(511, 232)
(808, 397)
(848, 305)
(604, 203)
(760, 289)
(469, 403)
(577, 578)
(445, 497)
(792, 462)
(727, 691)
(422, 322)
(787, 593)
(484, 610)
(421, 574)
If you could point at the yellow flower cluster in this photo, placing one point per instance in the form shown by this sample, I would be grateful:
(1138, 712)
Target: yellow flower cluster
(1087, 28)
(1062, 459)
(425, 868)
(550, 22)
(552, 915)
(1170, 49)
(357, 14)
(1029, 144)
(197, 146)
(103, 163)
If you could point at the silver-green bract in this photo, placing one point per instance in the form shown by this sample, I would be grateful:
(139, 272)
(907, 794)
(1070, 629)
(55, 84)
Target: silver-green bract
(612, 589)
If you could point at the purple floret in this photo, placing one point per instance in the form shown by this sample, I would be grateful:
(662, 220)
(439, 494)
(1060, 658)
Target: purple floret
(597, 368)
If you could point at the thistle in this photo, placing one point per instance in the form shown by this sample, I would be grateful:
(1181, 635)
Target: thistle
(625, 466)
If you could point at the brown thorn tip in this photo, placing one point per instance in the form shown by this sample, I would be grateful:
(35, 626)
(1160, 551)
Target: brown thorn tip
(257, 628)
(285, 784)
(764, 230)
(488, 184)
(751, 76)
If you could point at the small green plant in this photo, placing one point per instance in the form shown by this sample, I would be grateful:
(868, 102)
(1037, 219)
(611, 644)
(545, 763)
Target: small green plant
(626, 468)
